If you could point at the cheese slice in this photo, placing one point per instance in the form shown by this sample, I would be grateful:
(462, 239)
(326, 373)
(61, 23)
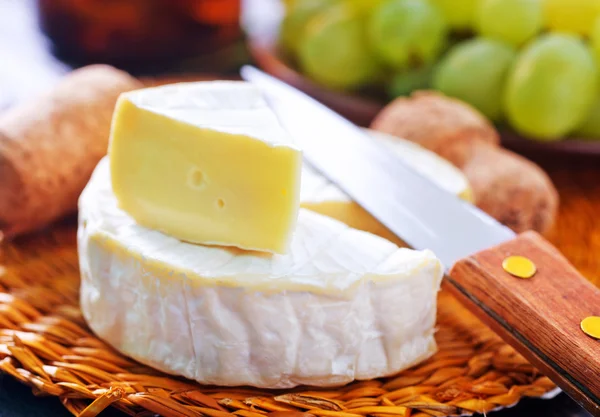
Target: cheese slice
(341, 305)
(206, 162)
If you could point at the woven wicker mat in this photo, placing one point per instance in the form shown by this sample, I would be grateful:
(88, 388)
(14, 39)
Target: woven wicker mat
(45, 344)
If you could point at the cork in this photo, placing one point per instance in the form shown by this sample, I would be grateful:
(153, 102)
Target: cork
(50, 146)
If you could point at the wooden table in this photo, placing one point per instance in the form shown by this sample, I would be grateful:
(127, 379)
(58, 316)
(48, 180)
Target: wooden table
(577, 231)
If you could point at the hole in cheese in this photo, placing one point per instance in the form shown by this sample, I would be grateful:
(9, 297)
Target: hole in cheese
(220, 203)
(196, 178)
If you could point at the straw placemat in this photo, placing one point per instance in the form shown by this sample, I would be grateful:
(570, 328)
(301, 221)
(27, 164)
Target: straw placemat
(45, 343)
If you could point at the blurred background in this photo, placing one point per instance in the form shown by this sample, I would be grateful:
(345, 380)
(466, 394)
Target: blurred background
(527, 65)
(41, 40)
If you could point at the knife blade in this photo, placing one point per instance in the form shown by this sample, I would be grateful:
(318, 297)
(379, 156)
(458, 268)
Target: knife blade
(399, 197)
(540, 317)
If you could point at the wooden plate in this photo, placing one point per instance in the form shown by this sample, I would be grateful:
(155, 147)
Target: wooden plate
(362, 110)
(568, 147)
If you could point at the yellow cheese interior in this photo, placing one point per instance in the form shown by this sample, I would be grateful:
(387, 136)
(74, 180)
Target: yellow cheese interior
(203, 185)
(354, 216)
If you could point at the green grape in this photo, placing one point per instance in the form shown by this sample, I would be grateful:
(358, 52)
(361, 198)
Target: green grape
(460, 14)
(297, 17)
(595, 40)
(407, 32)
(511, 21)
(363, 6)
(475, 71)
(575, 16)
(551, 87)
(590, 128)
(287, 4)
(405, 82)
(334, 50)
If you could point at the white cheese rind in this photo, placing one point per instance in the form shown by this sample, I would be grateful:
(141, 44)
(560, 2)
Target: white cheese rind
(342, 305)
(234, 107)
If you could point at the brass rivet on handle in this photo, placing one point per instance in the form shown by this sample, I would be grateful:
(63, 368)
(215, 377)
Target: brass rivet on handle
(591, 326)
(519, 266)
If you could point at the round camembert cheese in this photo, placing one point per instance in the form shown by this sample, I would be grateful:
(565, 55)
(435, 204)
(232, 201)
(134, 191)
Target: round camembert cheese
(343, 304)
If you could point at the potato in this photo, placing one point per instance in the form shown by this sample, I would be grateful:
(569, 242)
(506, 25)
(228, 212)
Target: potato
(512, 189)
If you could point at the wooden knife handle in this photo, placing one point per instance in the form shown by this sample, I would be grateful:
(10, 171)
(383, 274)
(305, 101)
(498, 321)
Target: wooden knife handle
(541, 316)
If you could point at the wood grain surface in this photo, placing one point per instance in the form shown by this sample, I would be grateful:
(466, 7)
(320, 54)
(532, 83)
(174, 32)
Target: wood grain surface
(577, 235)
(577, 230)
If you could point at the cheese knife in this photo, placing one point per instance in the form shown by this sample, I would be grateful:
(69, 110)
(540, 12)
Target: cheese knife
(540, 317)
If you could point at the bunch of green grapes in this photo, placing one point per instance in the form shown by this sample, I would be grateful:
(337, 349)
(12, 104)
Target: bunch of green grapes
(548, 87)
(533, 64)
(349, 44)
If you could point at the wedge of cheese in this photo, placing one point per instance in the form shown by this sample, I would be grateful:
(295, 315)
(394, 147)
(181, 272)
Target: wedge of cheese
(206, 162)
(341, 305)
